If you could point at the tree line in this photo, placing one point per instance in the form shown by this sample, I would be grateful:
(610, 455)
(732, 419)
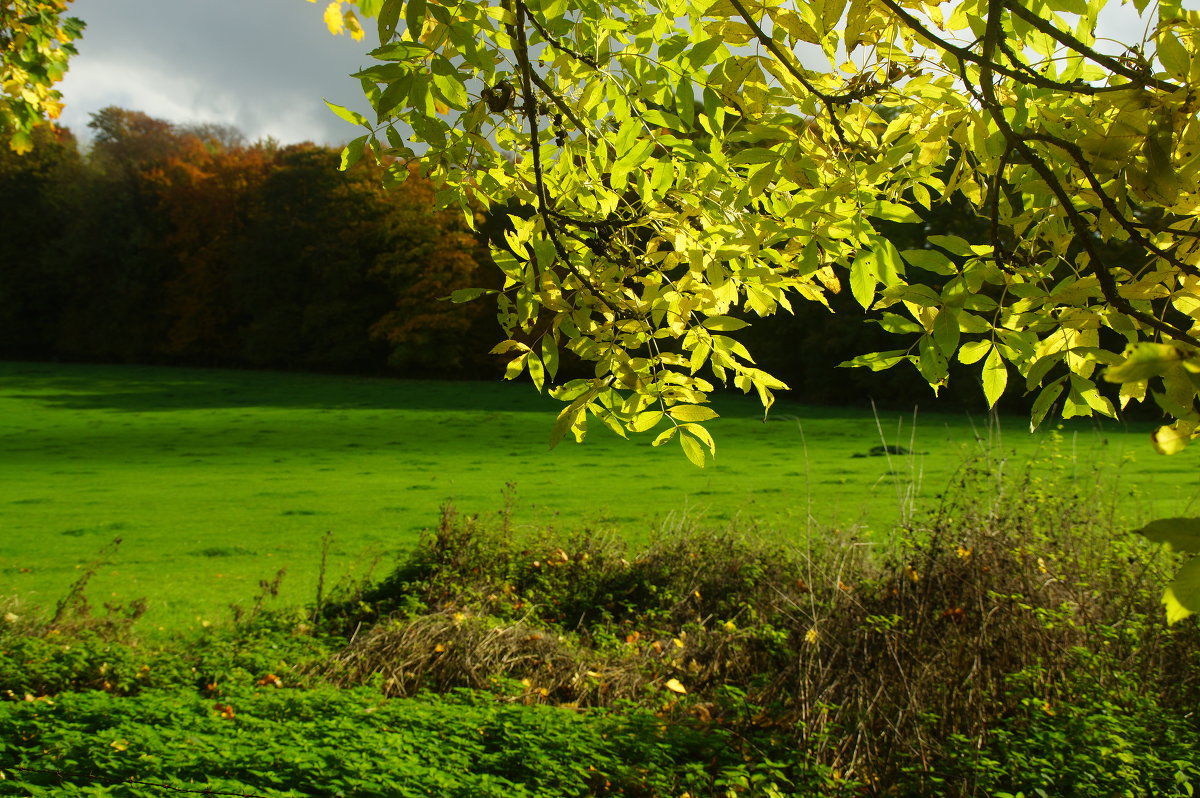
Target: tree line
(186, 245)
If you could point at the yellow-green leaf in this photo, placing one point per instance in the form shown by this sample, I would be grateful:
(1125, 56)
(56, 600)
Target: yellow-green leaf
(666, 435)
(644, 422)
(1145, 360)
(692, 413)
(333, 17)
(1182, 596)
(1172, 438)
(995, 377)
(1174, 56)
(693, 449)
(723, 323)
(973, 351)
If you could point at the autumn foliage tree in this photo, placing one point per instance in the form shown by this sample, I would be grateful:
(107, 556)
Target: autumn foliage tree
(183, 244)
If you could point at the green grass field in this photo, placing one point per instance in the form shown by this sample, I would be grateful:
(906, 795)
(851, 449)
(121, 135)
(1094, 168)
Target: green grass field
(215, 480)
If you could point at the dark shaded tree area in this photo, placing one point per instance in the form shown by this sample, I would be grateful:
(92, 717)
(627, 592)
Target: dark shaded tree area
(184, 245)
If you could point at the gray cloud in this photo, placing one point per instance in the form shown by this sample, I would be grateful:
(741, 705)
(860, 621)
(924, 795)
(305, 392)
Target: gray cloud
(260, 65)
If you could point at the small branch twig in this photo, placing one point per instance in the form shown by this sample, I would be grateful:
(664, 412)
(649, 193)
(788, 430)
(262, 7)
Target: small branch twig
(531, 114)
(1108, 62)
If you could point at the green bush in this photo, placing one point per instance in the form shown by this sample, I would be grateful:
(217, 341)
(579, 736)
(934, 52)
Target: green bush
(356, 743)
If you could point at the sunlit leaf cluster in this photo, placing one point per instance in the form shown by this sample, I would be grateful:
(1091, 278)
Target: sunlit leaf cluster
(672, 170)
(36, 39)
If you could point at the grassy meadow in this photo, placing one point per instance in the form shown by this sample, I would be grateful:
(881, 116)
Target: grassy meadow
(618, 623)
(217, 479)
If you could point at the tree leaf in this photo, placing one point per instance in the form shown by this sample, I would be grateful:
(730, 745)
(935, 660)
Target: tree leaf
(955, 245)
(414, 18)
(973, 351)
(1145, 360)
(352, 117)
(1182, 596)
(1045, 400)
(1172, 438)
(1174, 56)
(333, 17)
(692, 449)
(877, 361)
(723, 323)
(930, 260)
(665, 436)
(995, 377)
(945, 331)
(863, 279)
(692, 413)
(892, 212)
(644, 422)
(467, 294)
(389, 17)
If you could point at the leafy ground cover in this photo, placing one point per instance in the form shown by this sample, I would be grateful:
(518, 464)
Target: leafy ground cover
(1010, 643)
(215, 480)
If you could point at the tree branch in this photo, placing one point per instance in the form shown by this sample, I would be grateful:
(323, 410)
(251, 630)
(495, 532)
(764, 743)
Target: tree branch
(1083, 230)
(1108, 62)
(966, 55)
(561, 105)
(1107, 202)
(554, 42)
(521, 50)
(787, 64)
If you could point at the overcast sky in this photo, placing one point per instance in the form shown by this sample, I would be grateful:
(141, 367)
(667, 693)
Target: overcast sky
(262, 66)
